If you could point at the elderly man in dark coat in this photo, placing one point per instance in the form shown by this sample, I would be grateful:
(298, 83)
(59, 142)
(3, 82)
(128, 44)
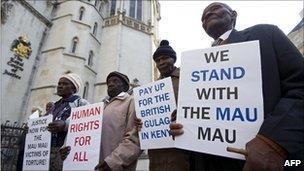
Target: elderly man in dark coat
(281, 135)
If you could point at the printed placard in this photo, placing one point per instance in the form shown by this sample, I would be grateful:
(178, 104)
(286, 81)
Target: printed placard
(220, 98)
(84, 135)
(154, 103)
(37, 144)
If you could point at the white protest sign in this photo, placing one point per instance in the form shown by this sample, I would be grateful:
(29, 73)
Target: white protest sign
(84, 135)
(220, 98)
(37, 144)
(154, 103)
(34, 115)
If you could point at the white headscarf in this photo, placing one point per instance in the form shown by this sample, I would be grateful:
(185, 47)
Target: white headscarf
(74, 78)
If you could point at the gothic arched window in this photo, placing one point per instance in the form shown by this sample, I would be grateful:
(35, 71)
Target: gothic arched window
(113, 7)
(96, 3)
(95, 29)
(90, 59)
(74, 44)
(136, 9)
(81, 13)
(100, 7)
(85, 91)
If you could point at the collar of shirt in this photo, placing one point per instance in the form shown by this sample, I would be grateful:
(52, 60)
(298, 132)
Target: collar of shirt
(224, 36)
(120, 96)
(70, 99)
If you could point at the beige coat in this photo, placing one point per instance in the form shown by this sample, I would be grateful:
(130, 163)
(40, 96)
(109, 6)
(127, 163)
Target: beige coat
(119, 140)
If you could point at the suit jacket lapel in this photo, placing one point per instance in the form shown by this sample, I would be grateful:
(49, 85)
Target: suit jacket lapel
(236, 36)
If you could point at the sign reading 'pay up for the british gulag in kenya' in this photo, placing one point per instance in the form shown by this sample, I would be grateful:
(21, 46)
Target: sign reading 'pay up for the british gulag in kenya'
(220, 98)
(84, 135)
(154, 103)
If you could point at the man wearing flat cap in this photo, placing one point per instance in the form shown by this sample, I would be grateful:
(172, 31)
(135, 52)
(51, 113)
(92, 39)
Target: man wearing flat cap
(119, 139)
(68, 85)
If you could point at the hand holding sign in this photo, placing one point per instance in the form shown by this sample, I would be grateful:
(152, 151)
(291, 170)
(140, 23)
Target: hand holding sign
(56, 126)
(64, 152)
(261, 149)
(138, 123)
(176, 129)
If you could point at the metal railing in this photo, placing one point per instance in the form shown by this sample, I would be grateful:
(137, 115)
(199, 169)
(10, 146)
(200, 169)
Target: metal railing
(12, 145)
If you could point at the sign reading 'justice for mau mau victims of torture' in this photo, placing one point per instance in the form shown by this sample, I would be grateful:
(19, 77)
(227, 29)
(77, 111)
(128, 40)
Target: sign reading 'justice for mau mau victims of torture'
(37, 144)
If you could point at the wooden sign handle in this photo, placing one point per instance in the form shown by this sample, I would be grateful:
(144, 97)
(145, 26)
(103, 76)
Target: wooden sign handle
(237, 150)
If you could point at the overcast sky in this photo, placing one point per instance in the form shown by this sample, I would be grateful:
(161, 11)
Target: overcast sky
(180, 20)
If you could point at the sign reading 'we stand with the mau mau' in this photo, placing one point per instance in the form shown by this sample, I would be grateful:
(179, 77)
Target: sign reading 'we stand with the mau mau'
(220, 98)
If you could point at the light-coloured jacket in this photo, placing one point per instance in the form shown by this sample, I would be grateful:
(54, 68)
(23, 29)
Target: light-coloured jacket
(119, 140)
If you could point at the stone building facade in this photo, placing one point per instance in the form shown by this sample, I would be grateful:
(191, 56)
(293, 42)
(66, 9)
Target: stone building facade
(296, 35)
(87, 37)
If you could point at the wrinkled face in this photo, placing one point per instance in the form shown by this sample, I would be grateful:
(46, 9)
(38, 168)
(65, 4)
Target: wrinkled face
(65, 88)
(164, 64)
(217, 18)
(115, 86)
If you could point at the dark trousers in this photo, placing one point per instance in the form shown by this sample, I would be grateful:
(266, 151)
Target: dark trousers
(55, 160)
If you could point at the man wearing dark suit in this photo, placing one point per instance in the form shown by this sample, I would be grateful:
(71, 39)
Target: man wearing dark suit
(281, 135)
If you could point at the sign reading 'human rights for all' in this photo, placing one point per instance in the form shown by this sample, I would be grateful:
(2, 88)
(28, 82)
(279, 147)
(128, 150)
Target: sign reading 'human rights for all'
(37, 144)
(84, 135)
(154, 103)
(220, 101)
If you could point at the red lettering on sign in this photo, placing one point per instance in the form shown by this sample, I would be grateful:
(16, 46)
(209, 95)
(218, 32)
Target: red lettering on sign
(81, 141)
(80, 156)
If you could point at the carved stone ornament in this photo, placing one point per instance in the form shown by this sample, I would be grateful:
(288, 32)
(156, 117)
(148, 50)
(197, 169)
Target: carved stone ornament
(21, 49)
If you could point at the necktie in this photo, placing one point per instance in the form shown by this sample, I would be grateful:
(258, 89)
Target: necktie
(217, 42)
